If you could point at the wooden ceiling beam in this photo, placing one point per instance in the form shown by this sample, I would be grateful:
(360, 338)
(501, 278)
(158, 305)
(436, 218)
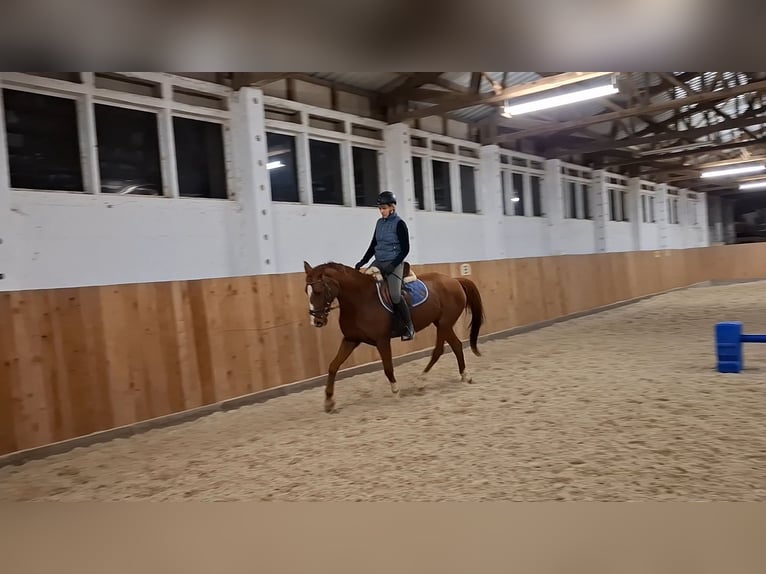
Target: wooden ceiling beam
(605, 144)
(458, 101)
(681, 154)
(634, 111)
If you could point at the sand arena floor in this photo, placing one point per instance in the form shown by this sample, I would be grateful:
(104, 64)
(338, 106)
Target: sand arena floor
(620, 406)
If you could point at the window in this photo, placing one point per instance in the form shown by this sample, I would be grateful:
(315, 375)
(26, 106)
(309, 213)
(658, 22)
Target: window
(366, 182)
(58, 140)
(651, 209)
(644, 210)
(618, 205)
(624, 206)
(282, 167)
(417, 180)
(537, 204)
(673, 210)
(442, 186)
(588, 214)
(43, 142)
(326, 180)
(468, 188)
(518, 193)
(570, 203)
(128, 151)
(200, 158)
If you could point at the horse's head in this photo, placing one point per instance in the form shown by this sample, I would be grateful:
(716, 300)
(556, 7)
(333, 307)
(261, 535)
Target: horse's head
(322, 291)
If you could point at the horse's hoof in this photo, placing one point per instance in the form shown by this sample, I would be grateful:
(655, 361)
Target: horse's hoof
(395, 389)
(466, 378)
(329, 405)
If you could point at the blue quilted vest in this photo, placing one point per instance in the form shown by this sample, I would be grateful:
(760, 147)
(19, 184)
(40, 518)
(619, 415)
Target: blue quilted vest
(386, 241)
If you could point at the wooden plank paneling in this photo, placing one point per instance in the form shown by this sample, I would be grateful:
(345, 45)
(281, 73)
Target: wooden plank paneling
(9, 376)
(78, 360)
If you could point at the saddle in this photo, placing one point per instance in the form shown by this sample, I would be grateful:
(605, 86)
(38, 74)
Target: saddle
(411, 285)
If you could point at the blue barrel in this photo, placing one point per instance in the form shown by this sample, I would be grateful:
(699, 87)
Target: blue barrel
(728, 343)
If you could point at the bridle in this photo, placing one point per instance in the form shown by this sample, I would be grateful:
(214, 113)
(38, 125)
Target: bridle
(326, 306)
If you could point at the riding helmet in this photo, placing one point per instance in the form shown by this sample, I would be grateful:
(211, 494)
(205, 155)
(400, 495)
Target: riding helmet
(386, 197)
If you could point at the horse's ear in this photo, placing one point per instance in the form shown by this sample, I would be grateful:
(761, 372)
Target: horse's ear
(306, 267)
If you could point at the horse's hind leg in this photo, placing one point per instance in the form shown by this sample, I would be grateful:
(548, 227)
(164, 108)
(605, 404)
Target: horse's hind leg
(457, 348)
(438, 350)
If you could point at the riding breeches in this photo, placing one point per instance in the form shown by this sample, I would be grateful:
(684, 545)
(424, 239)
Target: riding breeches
(394, 281)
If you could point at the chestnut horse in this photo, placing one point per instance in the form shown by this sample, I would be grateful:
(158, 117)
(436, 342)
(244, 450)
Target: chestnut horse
(364, 319)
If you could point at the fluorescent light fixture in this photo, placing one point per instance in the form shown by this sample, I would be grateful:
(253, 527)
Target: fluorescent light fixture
(560, 100)
(752, 168)
(753, 184)
(515, 199)
(274, 164)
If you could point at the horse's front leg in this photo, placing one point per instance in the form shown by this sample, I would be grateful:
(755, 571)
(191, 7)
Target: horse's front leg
(384, 348)
(346, 348)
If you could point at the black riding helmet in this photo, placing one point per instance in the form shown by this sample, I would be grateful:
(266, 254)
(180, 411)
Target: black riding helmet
(386, 197)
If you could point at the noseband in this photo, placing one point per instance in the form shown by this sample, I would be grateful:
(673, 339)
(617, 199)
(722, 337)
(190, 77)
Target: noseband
(326, 306)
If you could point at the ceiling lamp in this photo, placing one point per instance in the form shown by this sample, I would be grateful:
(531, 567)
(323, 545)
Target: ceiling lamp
(753, 185)
(736, 170)
(600, 91)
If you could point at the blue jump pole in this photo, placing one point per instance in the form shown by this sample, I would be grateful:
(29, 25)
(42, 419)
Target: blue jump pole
(728, 342)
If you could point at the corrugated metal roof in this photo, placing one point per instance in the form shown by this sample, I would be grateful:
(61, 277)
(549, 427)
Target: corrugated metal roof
(372, 81)
(375, 81)
(478, 113)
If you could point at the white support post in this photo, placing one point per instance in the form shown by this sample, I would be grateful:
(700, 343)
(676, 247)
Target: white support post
(255, 187)
(553, 205)
(634, 211)
(455, 187)
(600, 210)
(702, 221)
(661, 211)
(7, 275)
(347, 173)
(491, 190)
(400, 178)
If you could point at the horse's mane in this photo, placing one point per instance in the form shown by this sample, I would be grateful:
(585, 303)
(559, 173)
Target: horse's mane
(340, 268)
(334, 266)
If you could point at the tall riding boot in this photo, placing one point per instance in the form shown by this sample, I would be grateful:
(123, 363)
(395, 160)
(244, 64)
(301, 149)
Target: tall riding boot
(404, 314)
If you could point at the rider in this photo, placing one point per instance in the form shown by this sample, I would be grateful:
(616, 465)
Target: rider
(391, 244)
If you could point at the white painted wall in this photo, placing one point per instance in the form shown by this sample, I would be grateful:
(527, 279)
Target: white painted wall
(56, 239)
(620, 236)
(63, 240)
(576, 236)
(525, 236)
(650, 236)
(320, 233)
(448, 237)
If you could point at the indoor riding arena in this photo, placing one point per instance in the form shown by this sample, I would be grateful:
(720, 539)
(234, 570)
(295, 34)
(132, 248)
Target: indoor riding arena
(160, 333)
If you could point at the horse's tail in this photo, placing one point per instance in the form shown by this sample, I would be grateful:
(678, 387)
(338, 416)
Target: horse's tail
(477, 310)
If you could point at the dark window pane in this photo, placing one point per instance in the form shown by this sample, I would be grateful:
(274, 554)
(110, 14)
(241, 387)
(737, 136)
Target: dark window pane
(442, 187)
(366, 183)
(417, 175)
(128, 151)
(283, 168)
(518, 194)
(326, 181)
(43, 142)
(586, 201)
(468, 188)
(572, 203)
(624, 205)
(200, 159)
(537, 204)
